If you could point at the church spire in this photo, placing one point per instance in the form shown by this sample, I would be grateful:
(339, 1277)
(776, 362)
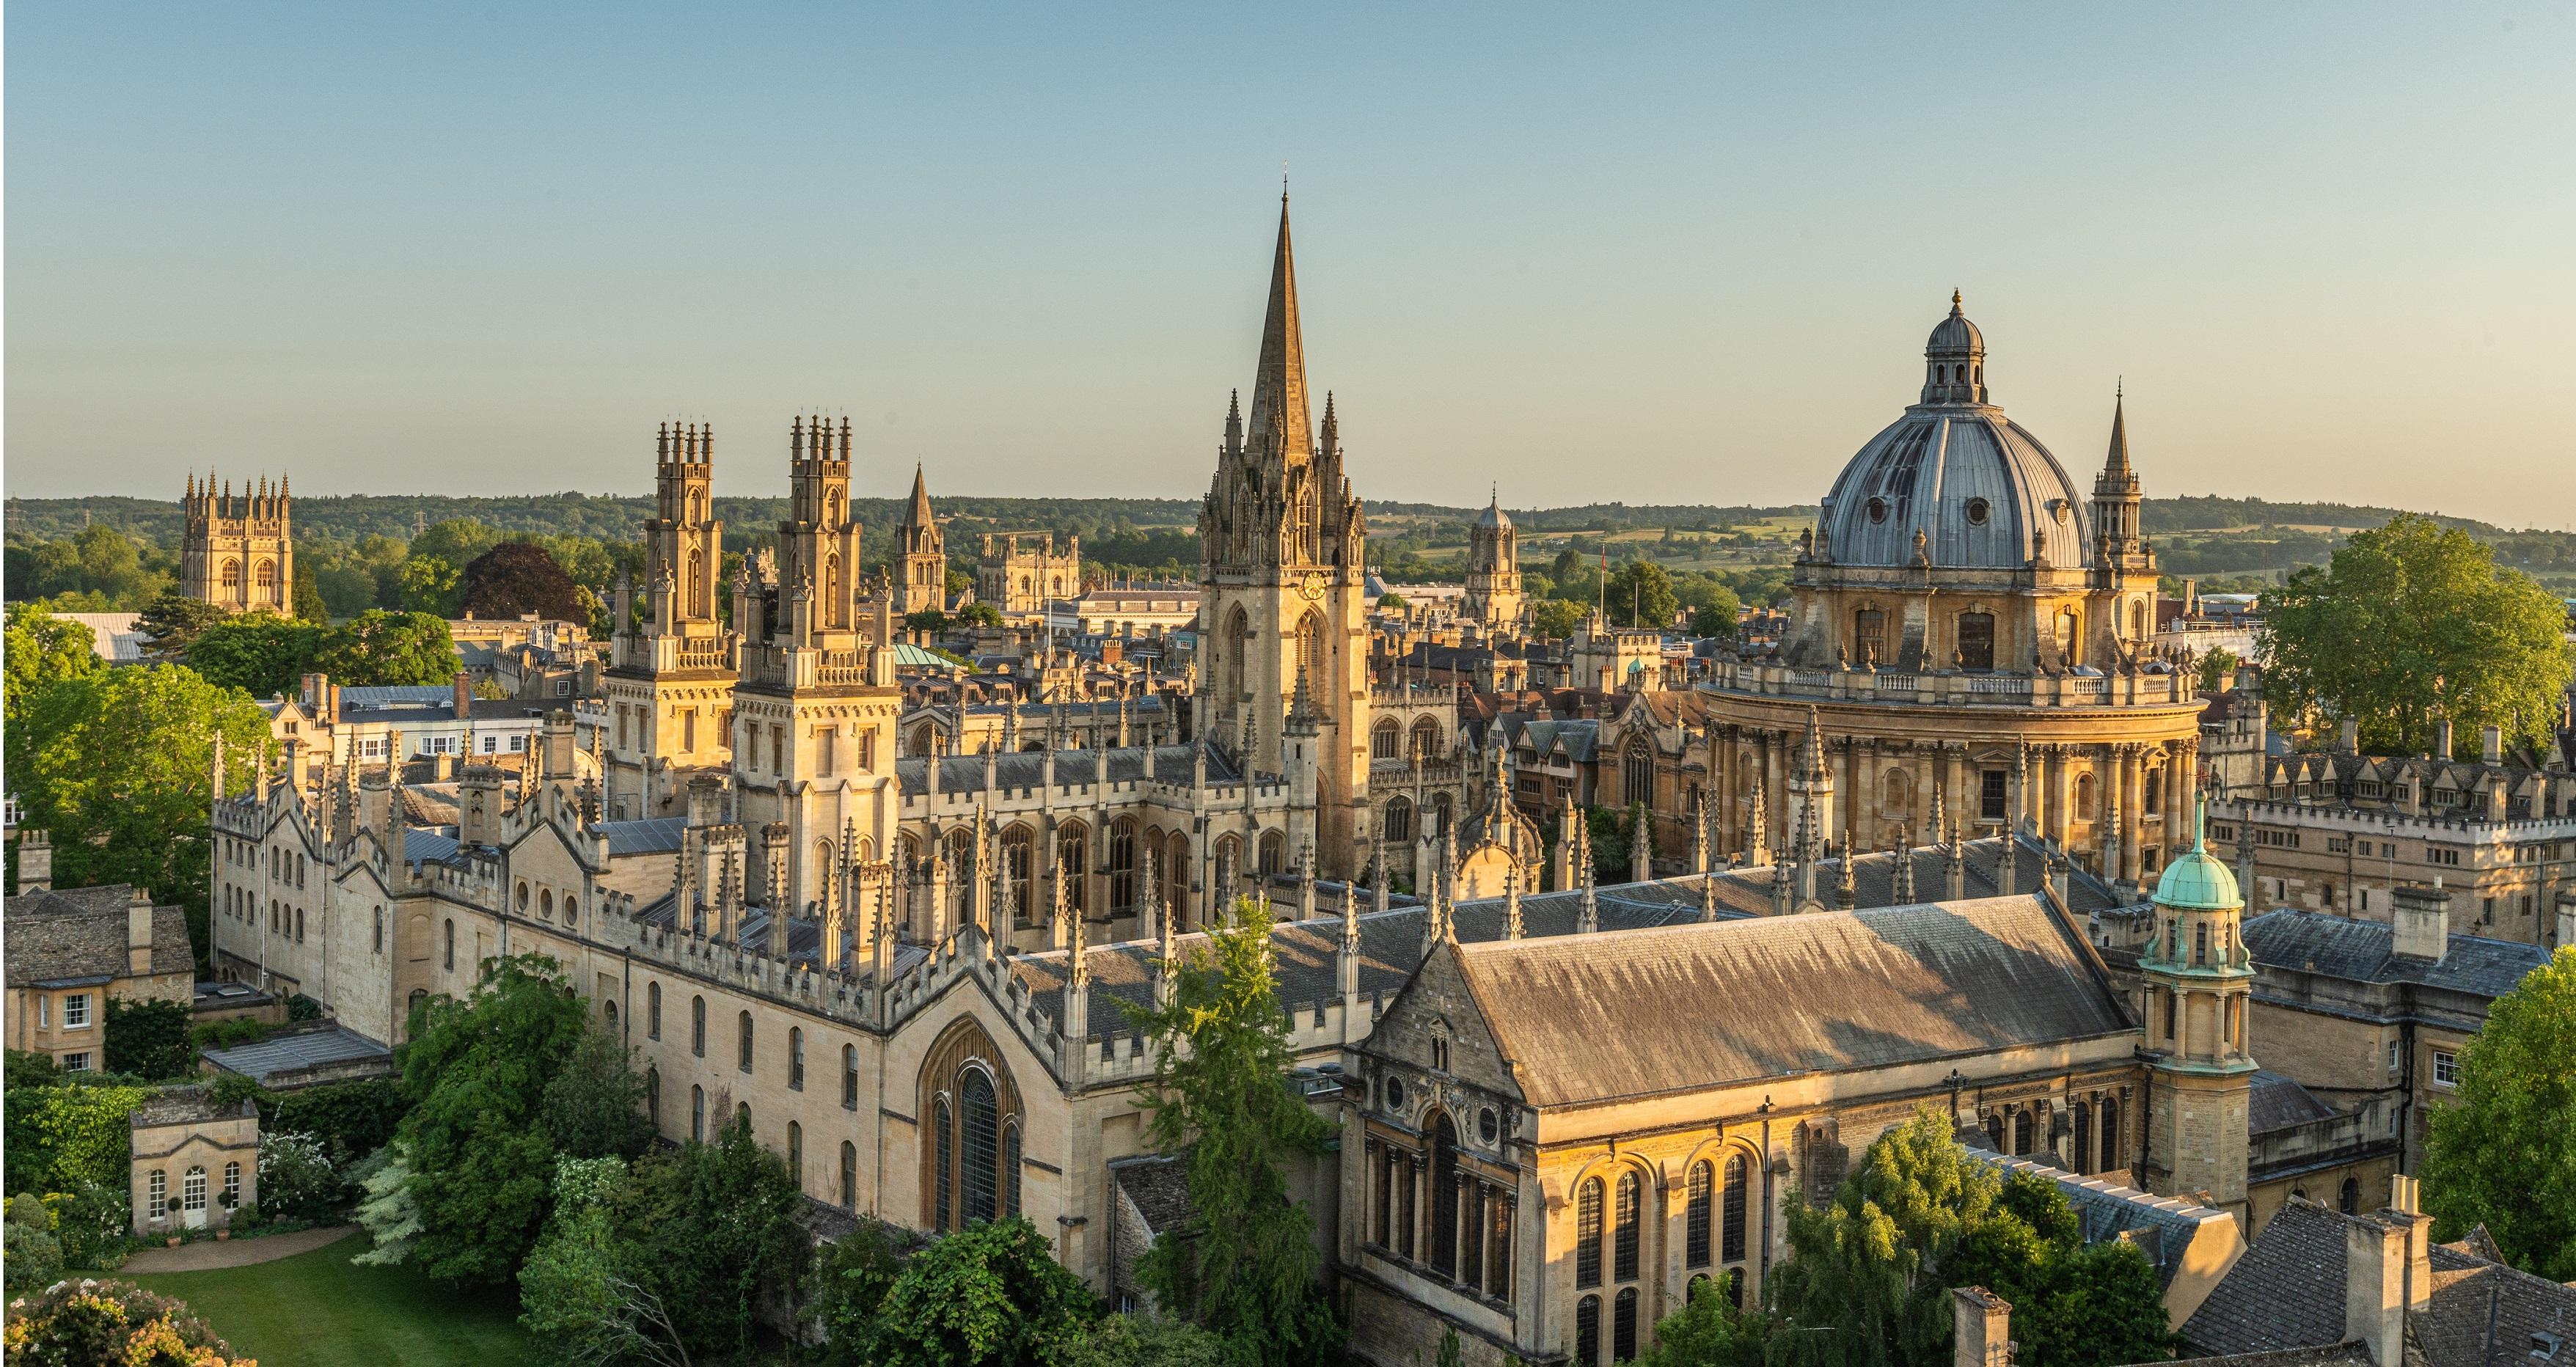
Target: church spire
(1279, 386)
(2116, 466)
(919, 515)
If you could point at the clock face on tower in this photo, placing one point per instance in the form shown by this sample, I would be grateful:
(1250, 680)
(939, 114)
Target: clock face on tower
(1313, 587)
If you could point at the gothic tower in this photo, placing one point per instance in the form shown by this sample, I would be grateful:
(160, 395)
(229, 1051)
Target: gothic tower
(1493, 569)
(2199, 986)
(923, 576)
(815, 707)
(239, 553)
(670, 678)
(1282, 592)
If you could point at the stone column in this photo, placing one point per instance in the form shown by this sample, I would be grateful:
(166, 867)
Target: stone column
(2061, 793)
(1852, 805)
(1775, 790)
(2133, 802)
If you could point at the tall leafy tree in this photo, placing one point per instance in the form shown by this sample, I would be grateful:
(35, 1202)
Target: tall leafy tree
(1244, 1263)
(430, 586)
(41, 650)
(515, 577)
(2503, 1154)
(260, 653)
(117, 764)
(378, 647)
(1641, 595)
(989, 1295)
(2413, 623)
(170, 622)
(478, 1141)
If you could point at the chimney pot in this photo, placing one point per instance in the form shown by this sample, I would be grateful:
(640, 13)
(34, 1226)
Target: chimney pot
(2491, 744)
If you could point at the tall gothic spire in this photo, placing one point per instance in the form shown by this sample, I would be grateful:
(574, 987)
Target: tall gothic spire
(1279, 386)
(919, 515)
(2116, 465)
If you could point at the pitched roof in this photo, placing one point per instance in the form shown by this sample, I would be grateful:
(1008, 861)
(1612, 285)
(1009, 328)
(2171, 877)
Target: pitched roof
(2365, 951)
(1626, 1013)
(2280, 1103)
(78, 935)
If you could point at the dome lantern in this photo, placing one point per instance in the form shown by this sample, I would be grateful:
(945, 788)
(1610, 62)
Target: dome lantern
(1954, 360)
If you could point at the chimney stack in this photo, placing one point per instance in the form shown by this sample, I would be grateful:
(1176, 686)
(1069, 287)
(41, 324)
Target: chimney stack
(1981, 1328)
(2421, 918)
(464, 697)
(2442, 740)
(36, 867)
(2388, 1273)
(2491, 744)
(138, 934)
(2348, 737)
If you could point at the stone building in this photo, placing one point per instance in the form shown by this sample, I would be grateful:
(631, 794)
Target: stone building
(1494, 599)
(238, 553)
(74, 950)
(1019, 571)
(2335, 831)
(666, 698)
(921, 555)
(1968, 623)
(194, 1162)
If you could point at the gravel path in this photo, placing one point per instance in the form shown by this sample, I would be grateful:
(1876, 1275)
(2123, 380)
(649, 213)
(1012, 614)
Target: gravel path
(205, 1254)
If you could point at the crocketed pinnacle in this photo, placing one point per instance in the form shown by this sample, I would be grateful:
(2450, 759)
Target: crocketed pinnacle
(1279, 386)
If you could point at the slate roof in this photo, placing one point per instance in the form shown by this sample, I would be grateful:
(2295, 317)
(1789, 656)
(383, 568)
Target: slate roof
(262, 1059)
(2106, 1210)
(2279, 1103)
(77, 935)
(2287, 1293)
(1027, 768)
(651, 835)
(428, 846)
(1626, 1014)
(2364, 951)
(1160, 1187)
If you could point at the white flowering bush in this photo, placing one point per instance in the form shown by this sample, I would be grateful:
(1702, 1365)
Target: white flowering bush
(296, 1179)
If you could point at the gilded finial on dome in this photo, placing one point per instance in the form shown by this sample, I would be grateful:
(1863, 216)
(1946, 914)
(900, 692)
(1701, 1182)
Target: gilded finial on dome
(1954, 302)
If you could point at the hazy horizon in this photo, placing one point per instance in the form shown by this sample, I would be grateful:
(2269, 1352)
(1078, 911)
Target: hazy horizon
(1674, 257)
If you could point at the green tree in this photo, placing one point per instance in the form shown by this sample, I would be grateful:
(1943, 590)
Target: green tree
(1143, 1341)
(170, 622)
(479, 1145)
(2411, 624)
(71, 1134)
(455, 540)
(309, 606)
(2216, 668)
(1641, 596)
(1556, 619)
(980, 614)
(2503, 1152)
(588, 1291)
(518, 577)
(989, 1295)
(1714, 608)
(117, 763)
(1391, 602)
(1709, 1331)
(849, 1281)
(41, 650)
(148, 1038)
(926, 619)
(1244, 1262)
(379, 647)
(430, 586)
(260, 653)
(713, 1228)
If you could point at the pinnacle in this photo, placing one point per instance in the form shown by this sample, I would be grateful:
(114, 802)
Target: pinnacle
(1279, 386)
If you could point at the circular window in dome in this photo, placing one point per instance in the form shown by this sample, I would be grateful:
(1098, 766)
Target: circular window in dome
(1878, 510)
(1489, 1127)
(1394, 1094)
(1978, 511)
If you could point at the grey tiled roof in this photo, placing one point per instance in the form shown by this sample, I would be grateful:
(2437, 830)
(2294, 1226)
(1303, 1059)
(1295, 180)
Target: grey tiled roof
(651, 835)
(2106, 1210)
(1629, 1014)
(1027, 768)
(2364, 951)
(422, 846)
(262, 1059)
(2279, 1103)
(78, 934)
(1159, 1186)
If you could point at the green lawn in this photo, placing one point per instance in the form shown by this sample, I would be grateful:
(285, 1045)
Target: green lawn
(318, 1310)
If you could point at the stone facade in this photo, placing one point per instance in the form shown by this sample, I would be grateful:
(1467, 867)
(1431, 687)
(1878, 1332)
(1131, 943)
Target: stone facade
(1019, 571)
(194, 1163)
(238, 553)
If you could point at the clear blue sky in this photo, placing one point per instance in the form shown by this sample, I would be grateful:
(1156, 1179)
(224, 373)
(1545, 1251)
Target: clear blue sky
(1590, 252)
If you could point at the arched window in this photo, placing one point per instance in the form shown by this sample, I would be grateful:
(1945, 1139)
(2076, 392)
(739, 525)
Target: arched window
(653, 1095)
(2137, 620)
(1700, 1214)
(1310, 642)
(1623, 1325)
(2084, 797)
(698, 1026)
(1176, 875)
(450, 962)
(1869, 636)
(192, 1194)
(849, 1077)
(411, 1008)
(1015, 864)
(698, 1114)
(1011, 1170)
(944, 1135)
(849, 1175)
(1399, 819)
(2021, 1131)
(1637, 774)
(652, 1010)
(981, 1149)
(795, 1058)
(2083, 1138)
(1623, 1264)
(2068, 638)
(1587, 1332)
(1587, 1233)
(2115, 1152)
(232, 579)
(1444, 1196)
(796, 1154)
(742, 1115)
(1238, 650)
(1274, 853)
(1073, 861)
(1122, 866)
(2349, 1199)
(1426, 739)
(1386, 739)
(1976, 640)
(742, 1040)
(1730, 1246)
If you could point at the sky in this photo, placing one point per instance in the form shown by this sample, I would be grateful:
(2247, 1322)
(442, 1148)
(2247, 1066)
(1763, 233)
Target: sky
(1574, 253)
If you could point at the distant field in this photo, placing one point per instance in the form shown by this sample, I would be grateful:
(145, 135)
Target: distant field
(318, 1309)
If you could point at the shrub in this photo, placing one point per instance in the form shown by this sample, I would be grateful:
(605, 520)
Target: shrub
(94, 1224)
(149, 1038)
(92, 1323)
(296, 1179)
(61, 1137)
(352, 1119)
(302, 1008)
(226, 1034)
(32, 1256)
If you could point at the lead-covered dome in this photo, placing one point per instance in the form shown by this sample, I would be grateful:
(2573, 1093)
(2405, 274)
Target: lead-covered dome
(1977, 485)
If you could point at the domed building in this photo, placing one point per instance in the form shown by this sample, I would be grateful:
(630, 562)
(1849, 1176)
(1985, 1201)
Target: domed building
(1967, 624)
(1493, 598)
